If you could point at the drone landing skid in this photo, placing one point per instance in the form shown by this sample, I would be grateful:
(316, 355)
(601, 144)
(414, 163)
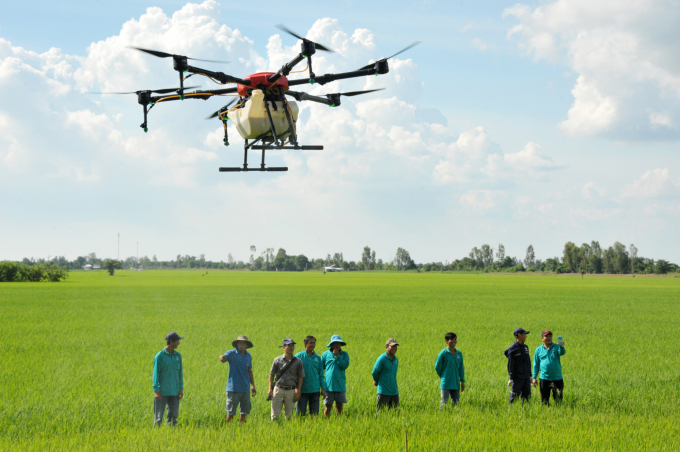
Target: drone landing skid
(263, 148)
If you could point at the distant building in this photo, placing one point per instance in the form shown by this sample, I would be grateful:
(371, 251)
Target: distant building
(333, 268)
(96, 267)
(87, 267)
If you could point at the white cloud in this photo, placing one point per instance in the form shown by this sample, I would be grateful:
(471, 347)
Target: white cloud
(592, 190)
(529, 159)
(626, 58)
(653, 183)
(482, 201)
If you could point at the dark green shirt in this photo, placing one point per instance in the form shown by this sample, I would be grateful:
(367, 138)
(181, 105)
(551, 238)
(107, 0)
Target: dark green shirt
(385, 374)
(167, 373)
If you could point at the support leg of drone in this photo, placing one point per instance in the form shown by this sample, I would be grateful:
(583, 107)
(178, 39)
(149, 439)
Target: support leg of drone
(226, 135)
(291, 128)
(144, 125)
(271, 122)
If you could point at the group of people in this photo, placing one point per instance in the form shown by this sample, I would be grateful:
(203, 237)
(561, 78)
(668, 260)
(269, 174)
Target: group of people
(300, 381)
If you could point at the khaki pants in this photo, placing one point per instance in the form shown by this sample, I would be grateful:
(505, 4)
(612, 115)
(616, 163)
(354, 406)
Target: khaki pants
(282, 397)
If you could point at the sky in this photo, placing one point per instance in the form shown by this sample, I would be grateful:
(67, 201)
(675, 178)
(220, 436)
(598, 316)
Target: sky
(531, 123)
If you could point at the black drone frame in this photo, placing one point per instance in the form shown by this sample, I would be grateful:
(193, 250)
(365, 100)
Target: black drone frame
(272, 93)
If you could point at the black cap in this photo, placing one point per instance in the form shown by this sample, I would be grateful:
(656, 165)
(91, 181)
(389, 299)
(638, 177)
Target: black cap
(172, 337)
(520, 331)
(287, 341)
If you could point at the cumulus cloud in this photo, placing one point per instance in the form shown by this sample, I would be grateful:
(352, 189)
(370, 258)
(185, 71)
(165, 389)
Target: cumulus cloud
(592, 190)
(652, 184)
(482, 201)
(626, 58)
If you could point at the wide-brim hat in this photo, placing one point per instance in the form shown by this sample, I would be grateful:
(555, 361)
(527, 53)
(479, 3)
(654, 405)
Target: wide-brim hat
(242, 339)
(336, 338)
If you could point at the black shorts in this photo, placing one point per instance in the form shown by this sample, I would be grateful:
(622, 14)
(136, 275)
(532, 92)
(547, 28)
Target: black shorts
(557, 388)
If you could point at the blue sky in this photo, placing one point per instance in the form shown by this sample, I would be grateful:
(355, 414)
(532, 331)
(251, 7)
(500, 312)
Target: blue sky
(516, 123)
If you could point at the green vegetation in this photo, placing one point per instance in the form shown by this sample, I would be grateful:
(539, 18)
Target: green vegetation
(78, 359)
(16, 272)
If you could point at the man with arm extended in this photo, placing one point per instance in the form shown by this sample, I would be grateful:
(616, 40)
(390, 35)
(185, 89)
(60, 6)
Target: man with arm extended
(519, 367)
(547, 360)
(240, 383)
(335, 361)
(288, 370)
(385, 376)
(168, 381)
(313, 381)
(450, 369)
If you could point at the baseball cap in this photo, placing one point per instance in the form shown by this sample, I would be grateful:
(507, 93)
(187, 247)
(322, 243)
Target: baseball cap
(391, 341)
(520, 331)
(172, 337)
(545, 333)
(287, 341)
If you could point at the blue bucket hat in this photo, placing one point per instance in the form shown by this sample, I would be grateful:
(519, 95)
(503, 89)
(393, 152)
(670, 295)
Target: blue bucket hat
(336, 338)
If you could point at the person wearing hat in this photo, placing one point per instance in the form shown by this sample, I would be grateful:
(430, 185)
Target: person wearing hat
(289, 372)
(547, 361)
(240, 383)
(313, 381)
(519, 367)
(385, 376)
(335, 361)
(168, 382)
(450, 369)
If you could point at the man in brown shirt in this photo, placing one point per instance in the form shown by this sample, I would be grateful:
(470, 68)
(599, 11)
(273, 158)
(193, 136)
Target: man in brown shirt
(289, 372)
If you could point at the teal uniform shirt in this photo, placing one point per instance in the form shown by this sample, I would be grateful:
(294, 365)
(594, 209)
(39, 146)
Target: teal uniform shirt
(334, 368)
(167, 373)
(385, 374)
(450, 369)
(547, 360)
(313, 380)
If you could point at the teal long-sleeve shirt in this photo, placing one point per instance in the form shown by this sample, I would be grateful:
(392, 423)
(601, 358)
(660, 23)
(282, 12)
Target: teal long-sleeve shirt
(385, 374)
(313, 380)
(450, 369)
(547, 360)
(167, 373)
(334, 370)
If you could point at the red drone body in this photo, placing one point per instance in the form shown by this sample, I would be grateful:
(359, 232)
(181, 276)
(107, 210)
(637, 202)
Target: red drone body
(261, 77)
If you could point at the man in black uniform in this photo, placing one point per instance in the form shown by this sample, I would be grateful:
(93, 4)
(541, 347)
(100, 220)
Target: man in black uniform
(519, 367)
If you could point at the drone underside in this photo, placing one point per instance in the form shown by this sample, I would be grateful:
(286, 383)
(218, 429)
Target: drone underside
(263, 116)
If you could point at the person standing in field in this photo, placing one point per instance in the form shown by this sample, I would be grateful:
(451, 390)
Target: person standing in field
(313, 381)
(519, 367)
(168, 381)
(289, 372)
(335, 361)
(547, 360)
(450, 369)
(240, 383)
(385, 376)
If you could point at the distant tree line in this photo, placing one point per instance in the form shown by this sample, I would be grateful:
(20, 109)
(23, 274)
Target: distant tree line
(587, 258)
(19, 272)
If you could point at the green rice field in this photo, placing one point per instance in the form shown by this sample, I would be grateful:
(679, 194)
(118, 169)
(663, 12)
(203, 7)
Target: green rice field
(77, 359)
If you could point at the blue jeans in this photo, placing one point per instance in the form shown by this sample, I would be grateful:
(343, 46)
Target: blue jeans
(455, 396)
(308, 397)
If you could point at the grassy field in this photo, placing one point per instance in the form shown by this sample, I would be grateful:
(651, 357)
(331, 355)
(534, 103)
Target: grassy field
(77, 359)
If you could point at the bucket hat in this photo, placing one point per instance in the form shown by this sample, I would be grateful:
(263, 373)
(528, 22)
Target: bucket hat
(242, 339)
(336, 338)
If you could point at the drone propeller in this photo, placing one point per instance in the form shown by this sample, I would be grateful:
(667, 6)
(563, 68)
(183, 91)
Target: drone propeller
(158, 91)
(316, 45)
(217, 113)
(368, 66)
(166, 55)
(356, 93)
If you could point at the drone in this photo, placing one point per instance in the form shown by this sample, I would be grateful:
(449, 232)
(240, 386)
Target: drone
(263, 116)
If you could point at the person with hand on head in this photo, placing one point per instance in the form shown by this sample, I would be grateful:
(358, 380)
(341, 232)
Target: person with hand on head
(385, 376)
(335, 361)
(547, 361)
(240, 383)
(168, 381)
(450, 369)
(313, 381)
(519, 367)
(289, 372)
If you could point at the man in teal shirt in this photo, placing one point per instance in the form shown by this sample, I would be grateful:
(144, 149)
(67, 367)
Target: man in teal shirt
(313, 380)
(385, 376)
(335, 361)
(168, 381)
(547, 360)
(450, 369)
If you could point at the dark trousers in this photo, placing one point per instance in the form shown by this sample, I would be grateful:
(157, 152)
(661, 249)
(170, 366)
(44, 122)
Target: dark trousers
(311, 398)
(557, 388)
(172, 402)
(521, 387)
(390, 401)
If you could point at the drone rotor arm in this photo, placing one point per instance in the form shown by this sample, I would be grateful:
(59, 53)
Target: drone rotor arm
(327, 78)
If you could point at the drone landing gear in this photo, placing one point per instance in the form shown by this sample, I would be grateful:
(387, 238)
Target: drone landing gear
(245, 163)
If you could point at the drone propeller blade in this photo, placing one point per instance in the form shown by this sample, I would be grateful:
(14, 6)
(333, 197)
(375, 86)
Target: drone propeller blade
(316, 45)
(152, 52)
(368, 66)
(159, 91)
(356, 93)
(217, 113)
(166, 55)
